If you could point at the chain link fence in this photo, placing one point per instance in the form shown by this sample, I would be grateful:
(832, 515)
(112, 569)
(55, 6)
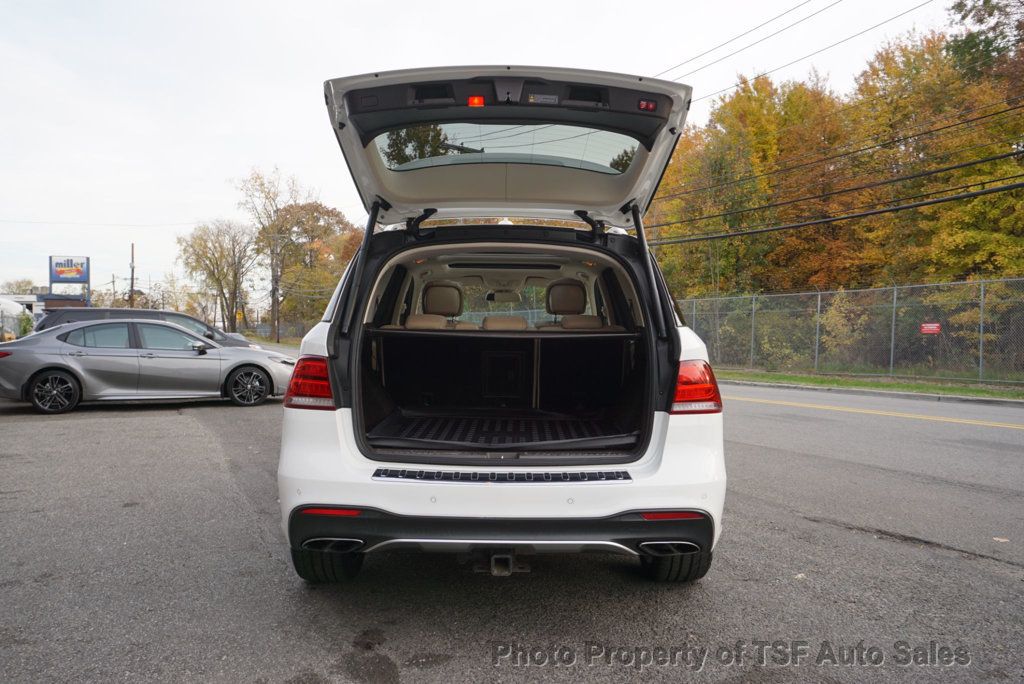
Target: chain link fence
(958, 331)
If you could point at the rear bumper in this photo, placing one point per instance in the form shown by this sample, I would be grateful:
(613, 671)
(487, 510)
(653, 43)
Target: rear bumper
(321, 465)
(375, 530)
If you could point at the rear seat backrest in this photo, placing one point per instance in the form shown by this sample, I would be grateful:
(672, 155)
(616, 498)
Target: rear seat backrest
(504, 323)
(426, 322)
(581, 322)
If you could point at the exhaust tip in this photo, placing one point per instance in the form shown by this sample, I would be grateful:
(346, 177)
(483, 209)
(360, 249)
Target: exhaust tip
(669, 548)
(332, 544)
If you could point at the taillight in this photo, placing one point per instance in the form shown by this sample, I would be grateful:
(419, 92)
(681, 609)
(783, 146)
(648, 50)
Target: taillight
(696, 389)
(310, 386)
(3, 354)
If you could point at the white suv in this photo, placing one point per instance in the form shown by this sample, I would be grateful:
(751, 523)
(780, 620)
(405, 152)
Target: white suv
(501, 388)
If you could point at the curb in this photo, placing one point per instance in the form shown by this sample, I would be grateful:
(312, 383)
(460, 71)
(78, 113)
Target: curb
(1018, 403)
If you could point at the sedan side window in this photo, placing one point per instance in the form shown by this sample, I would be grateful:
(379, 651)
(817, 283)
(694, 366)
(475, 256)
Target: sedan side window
(107, 336)
(162, 337)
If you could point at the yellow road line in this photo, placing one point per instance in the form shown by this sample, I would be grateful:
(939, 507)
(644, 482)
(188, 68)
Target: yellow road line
(874, 412)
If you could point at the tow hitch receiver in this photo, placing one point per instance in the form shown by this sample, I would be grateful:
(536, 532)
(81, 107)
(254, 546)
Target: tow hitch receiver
(501, 564)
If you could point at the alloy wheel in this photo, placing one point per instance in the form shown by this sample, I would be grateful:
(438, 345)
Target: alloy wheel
(249, 387)
(53, 393)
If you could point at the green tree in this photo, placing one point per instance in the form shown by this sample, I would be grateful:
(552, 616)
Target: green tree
(415, 142)
(623, 159)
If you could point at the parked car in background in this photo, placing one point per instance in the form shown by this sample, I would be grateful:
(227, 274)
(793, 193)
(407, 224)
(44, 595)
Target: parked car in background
(73, 315)
(134, 360)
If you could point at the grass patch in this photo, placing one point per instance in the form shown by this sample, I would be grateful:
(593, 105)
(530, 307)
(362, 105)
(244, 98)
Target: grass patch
(286, 341)
(964, 389)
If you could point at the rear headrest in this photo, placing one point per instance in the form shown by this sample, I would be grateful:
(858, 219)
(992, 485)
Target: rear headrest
(442, 298)
(575, 322)
(504, 323)
(425, 322)
(566, 297)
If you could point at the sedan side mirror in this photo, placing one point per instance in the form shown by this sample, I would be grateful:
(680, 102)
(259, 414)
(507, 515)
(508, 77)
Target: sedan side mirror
(199, 348)
(208, 334)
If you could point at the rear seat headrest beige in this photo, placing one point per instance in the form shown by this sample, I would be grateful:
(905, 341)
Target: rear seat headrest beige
(504, 323)
(442, 298)
(566, 297)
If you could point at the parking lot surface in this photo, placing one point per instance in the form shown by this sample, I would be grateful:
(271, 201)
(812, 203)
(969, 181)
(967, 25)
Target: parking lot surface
(144, 543)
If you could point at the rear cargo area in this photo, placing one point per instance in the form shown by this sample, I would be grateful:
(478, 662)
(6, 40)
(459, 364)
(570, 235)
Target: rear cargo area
(484, 392)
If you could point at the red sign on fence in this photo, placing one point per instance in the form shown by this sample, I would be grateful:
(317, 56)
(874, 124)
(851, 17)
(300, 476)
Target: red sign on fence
(931, 328)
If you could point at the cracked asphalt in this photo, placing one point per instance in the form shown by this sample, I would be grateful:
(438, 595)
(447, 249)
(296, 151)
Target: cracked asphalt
(143, 543)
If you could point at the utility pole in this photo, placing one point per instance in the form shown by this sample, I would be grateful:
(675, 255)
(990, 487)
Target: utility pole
(275, 284)
(131, 288)
(113, 289)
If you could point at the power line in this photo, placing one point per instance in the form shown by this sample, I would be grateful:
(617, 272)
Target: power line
(846, 217)
(818, 51)
(100, 224)
(868, 100)
(861, 103)
(734, 38)
(871, 173)
(787, 160)
(866, 186)
(756, 42)
(872, 205)
(884, 143)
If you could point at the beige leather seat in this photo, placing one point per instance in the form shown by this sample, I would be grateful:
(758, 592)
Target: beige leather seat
(567, 298)
(442, 300)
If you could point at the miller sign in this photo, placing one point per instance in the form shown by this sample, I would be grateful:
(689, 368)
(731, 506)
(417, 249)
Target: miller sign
(67, 269)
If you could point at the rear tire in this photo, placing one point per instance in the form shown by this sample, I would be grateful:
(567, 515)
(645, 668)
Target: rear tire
(248, 386)
(688, 567)
(54, 391)
(323, 567)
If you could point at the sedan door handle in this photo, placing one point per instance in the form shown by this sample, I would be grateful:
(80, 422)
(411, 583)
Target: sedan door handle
(77, 353)
(147, 355)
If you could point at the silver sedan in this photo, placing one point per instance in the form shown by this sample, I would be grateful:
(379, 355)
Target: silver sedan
(135, 360)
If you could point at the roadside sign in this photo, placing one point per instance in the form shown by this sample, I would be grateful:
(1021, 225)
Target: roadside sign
(931, 328)
(68, 269)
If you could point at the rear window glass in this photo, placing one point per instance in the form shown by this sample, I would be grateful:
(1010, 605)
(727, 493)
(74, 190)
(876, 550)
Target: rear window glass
(578, 147)
(531, 304)
(108, 336)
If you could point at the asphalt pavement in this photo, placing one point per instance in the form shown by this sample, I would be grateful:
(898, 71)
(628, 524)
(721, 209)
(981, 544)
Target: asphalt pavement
(143, 543)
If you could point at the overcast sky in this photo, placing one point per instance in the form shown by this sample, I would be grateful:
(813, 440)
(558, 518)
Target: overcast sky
(116, 114)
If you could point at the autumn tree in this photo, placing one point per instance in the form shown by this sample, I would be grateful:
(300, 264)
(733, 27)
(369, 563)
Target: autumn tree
(778, 153)
(222, 254)
(17, 286)
(264, 194)
(321, 242)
